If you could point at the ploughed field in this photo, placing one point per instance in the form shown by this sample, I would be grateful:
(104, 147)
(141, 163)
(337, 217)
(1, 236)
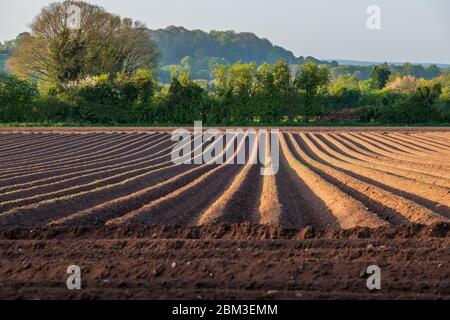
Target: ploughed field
(141, 226)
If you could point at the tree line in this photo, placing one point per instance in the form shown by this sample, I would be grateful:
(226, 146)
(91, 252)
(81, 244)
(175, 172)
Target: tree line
(407, 69)
(240, 93)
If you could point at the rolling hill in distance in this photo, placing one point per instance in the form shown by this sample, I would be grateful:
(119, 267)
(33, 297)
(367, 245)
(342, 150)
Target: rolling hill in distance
(199, 52)
(348, 62)
(176, 43)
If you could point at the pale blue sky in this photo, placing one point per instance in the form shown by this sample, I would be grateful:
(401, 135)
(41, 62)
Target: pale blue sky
(412, 30)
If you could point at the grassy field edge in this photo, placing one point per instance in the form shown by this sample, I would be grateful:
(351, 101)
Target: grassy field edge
(234, 124)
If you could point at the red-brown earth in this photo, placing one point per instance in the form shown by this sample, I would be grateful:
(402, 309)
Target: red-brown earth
(111, 201)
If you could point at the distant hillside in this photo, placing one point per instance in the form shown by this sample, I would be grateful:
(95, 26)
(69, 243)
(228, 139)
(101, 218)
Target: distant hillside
(7, 47)
(199, 51)
(3, 58)
(176, 43)
(371, 63)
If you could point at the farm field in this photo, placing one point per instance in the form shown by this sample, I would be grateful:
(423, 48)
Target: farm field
(112, 201)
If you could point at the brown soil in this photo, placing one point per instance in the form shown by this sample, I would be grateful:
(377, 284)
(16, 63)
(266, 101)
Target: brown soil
(111, 201)
(225, 262)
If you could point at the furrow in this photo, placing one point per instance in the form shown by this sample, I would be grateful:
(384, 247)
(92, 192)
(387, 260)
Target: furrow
(375, 197)
(80, 174)
(120, 206)
(56, 208)
(182, 205)
(50, 155)
(18, 152)
(222, 210)
(270, 209)
(392, 165)
(24, 177)
(86, 152)
(435, 143)
(428, 146)
(348, 211)
(164, 161)
(398, 147)
(34, 141)
(334, 151)
(443, 137)
(23, 139)
(370, 144)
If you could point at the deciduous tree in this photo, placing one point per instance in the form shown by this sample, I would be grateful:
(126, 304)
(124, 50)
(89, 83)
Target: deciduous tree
(380, 75)
(104, 43)
(311, 78)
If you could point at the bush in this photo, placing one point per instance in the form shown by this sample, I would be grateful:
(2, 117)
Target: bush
(240, 93)
(183, 101)
(405, 84)
(98, 100)
(136, 94)
(443, 108)
(114, 99)
(16, 98)
(418, 107)
(53, 109)
(343, 98)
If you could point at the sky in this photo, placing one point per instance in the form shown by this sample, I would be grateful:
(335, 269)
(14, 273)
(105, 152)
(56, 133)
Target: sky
(411, 30)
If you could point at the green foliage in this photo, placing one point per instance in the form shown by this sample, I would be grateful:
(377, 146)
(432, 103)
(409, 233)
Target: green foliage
(107, 98)
(418, 107)
(407, 69)
(183, 101)
(417, 70)
(101, 73)
(380, 75)
(195, 51)
(67, 53)
(99, 100)
(137, 92)
(177, 43)
(16, 98)
(200, 52)
(359, 72)
(241, 93)
(3, 58)
(240, 82)
(312, 77)
(346, 92)
(443, 104)
(49, 108)
(104, 43)
(275, 92)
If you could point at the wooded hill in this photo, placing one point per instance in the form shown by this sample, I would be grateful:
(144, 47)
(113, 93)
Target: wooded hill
(177, 43)
(199, 51)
